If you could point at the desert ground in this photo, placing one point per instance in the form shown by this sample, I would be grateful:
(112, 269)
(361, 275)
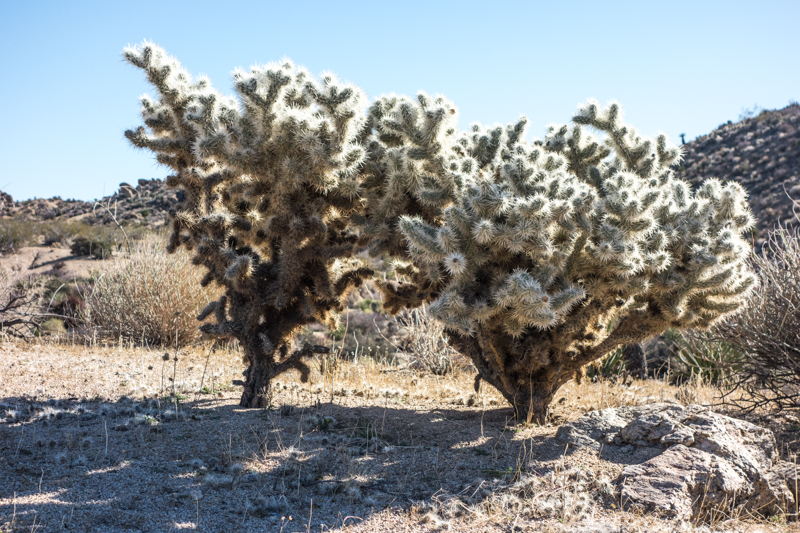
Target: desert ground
(42, 260)
(111, 437)
(97, 434)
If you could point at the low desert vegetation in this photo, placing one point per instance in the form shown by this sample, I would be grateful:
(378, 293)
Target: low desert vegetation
(81, 237)
(148, 297)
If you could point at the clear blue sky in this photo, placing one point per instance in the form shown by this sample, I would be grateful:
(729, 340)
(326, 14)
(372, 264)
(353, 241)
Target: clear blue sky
(674, 66)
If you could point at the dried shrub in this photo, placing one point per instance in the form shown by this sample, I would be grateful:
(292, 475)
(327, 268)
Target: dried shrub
(21, 304)
(149, 297)
(767, 330)
(427, 342)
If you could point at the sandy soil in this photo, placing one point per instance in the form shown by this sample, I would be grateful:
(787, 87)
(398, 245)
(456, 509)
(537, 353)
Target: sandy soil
(42, 260)
(116, 438)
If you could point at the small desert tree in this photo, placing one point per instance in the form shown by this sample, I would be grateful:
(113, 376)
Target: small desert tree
(271, 187)
(547, 256)
(529, 253)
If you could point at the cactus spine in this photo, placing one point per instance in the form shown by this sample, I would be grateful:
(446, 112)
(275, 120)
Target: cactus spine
(538, 257)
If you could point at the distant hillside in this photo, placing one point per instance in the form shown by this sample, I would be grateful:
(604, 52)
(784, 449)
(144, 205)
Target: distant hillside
(763, 154)
(146, 204)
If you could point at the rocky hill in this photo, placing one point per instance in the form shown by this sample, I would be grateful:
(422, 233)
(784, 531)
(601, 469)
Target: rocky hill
(147, 204)
(761, 152)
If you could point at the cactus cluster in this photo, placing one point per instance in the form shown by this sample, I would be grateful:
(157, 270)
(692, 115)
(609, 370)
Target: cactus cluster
(538, 257)
(271, 184)
(551, 254)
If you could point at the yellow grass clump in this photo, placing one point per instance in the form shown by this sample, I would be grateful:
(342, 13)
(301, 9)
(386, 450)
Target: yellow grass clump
(149, 297)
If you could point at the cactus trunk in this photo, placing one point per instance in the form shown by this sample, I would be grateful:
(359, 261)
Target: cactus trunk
(528, 392)
(257, 379)
(531, 401)
(263, 367)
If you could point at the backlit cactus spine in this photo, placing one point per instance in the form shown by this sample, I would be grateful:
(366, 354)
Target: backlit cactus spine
(553, 253)
(271, 182)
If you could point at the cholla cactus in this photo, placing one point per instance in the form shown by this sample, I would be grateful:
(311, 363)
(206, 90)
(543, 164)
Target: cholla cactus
(538, 258)
(547, 256)
(271, 183)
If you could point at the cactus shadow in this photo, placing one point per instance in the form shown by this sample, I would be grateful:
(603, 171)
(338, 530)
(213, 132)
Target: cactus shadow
(100, 463)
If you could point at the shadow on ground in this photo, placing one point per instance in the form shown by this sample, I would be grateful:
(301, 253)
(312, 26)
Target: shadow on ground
(154, 465)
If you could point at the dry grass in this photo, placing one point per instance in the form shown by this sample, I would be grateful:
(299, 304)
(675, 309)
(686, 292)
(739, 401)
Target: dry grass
(427, 342)
(103, 437)
(149, 297)
(22, 305)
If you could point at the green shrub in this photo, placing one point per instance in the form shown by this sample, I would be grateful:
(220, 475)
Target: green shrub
(368, 305)
(98, 248)
(63, 232)
(56, 234)
(611, 365)
(697, 357)
(16, 233)
(52, 326)
(338, 333)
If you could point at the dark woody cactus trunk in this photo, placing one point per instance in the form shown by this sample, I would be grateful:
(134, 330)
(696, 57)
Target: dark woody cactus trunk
(255, 394)
(529, 395)
(261, 369)
(529, 372)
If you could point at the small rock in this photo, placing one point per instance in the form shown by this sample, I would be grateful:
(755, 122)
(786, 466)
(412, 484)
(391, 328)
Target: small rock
(789, 473)
(680, 435)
